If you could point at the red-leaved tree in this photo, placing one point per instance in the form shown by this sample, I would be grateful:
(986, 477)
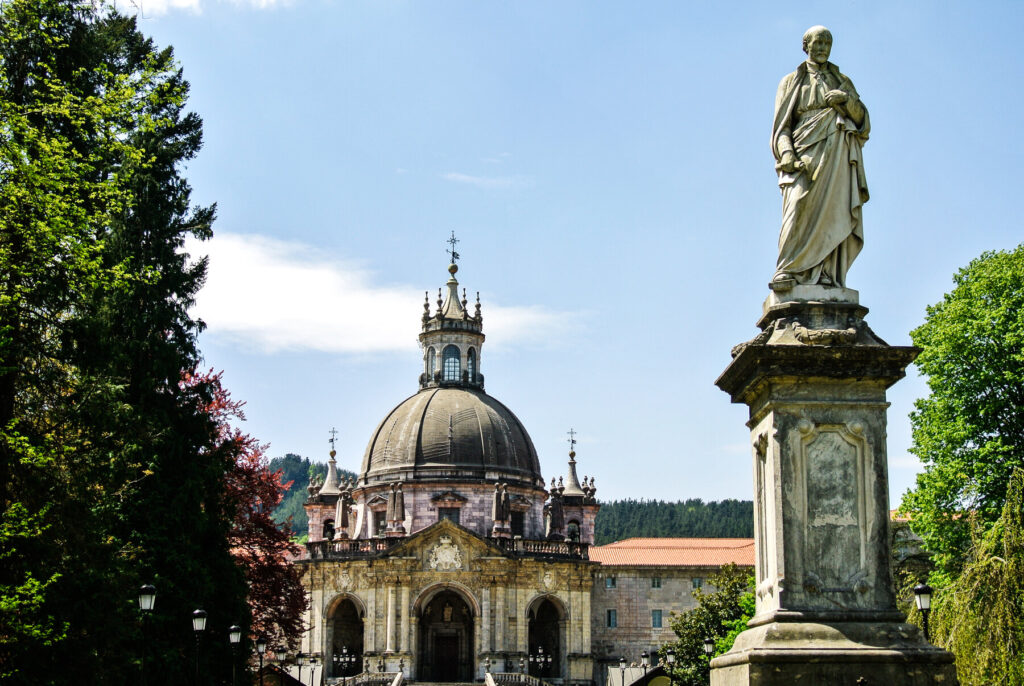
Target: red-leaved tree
(260, 546)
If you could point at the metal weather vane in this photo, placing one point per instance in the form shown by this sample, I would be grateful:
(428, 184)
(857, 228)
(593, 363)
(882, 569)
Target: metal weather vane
(572, 439)
(334, 434)
(451, 251)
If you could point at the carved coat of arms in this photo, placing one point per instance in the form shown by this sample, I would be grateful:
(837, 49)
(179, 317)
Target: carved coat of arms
(445, 555)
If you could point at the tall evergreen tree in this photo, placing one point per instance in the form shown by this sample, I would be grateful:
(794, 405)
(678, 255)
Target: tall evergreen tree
(113, 467)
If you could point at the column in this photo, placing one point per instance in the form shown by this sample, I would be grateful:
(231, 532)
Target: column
(390, 623)
(500, 617)
(485, 619)
(403, 636)
(370, 621)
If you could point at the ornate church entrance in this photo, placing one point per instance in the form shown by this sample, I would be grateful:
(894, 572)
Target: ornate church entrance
(345, 636)
(546, 622)
(446, 639)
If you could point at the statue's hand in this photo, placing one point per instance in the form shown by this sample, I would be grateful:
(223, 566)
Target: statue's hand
(789, 163)
(836, 97)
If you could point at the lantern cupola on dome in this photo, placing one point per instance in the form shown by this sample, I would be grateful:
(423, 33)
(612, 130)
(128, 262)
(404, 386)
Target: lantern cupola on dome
(451, 337)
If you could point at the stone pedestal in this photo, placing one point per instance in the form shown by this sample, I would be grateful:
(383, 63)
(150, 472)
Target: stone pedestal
(815, 381)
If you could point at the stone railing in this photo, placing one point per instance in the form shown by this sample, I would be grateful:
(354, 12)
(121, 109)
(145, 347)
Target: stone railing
(513, 679)
(373, 679)
(347, 549)
(563, 550)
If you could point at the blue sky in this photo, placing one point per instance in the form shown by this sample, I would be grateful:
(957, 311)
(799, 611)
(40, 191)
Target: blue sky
(606, 167)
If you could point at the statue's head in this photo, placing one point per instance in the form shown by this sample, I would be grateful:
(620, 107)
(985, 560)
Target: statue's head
(818, 43)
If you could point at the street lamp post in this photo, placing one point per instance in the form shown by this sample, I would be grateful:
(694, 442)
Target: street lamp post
(670, 658)
(622, 671)
(198, 626)
(261, 647)
(235, 636)
(645, 660)
(522, 665)
(344, 662)
(709, 650)
(923, 600)
(147, 598)
(300, 660)
(540, 660)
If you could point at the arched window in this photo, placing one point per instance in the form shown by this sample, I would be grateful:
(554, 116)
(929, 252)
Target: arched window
(471, 365)
(451, 365)
(431, 362)
(328, 531)
(573, 531)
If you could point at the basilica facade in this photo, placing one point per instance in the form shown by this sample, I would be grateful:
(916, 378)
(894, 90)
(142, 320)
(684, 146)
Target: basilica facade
(448, 556)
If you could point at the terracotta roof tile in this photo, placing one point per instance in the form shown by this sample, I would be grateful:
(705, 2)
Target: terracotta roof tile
(675, 552)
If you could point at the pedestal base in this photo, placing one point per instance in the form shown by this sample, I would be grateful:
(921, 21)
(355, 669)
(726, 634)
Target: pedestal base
(833, 654)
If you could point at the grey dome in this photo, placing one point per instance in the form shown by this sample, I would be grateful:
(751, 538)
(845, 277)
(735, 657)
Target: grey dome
(451, 433)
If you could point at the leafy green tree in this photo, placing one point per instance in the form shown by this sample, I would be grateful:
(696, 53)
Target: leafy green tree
(113, 466)
(721, 614)
(969, 431)
(979, 617)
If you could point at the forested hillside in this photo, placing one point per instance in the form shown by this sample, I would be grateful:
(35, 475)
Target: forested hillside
(720, 519)
(298, 470)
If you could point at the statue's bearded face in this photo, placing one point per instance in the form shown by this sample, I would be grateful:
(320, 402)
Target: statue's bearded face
(819, 47)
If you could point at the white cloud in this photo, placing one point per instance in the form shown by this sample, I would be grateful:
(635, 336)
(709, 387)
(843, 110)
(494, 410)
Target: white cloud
(155, 7)
(488, 182)
(271, 295)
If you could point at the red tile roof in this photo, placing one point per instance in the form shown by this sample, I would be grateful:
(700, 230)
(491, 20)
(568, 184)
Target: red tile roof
(675, 552)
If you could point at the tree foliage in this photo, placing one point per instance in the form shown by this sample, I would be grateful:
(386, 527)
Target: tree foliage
(969, 431)
(298, 470)
(259, 545)
(114, 469)
(979, 617)
(721, 614)
(627, 518)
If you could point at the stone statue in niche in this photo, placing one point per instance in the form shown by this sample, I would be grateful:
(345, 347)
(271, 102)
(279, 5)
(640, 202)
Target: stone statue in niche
(820, 127)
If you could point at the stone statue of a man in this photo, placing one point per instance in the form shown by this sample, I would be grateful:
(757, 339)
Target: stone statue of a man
(820, 127)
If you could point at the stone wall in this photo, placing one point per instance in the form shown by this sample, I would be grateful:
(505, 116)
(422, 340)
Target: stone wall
(633, 598)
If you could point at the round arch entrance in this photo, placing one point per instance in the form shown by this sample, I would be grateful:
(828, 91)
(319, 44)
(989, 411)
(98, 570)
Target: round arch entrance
(546, 630)
(446, 639)
(344, 639)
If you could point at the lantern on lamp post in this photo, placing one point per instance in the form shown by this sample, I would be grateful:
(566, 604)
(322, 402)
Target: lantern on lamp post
(923, 600)
(235, 637)
(198, 627)
(261, 648)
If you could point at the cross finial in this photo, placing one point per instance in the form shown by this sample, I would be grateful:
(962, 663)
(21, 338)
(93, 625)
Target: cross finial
(334, 433)
(451, 251)
(572, 439)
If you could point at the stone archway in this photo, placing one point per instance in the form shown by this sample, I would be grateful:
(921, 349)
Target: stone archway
(446, 650)
(547, 620)
(344, 638)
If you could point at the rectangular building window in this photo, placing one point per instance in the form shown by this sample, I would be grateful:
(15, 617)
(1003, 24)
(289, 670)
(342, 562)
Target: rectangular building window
(613, 619)
(609, 582)
(697, 582)
(380, 524)
(656, 582)
(451, 513)
(656, 619)
(518, 524)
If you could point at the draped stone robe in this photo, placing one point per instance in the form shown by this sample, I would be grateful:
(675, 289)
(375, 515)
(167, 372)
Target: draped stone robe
(821, 204)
